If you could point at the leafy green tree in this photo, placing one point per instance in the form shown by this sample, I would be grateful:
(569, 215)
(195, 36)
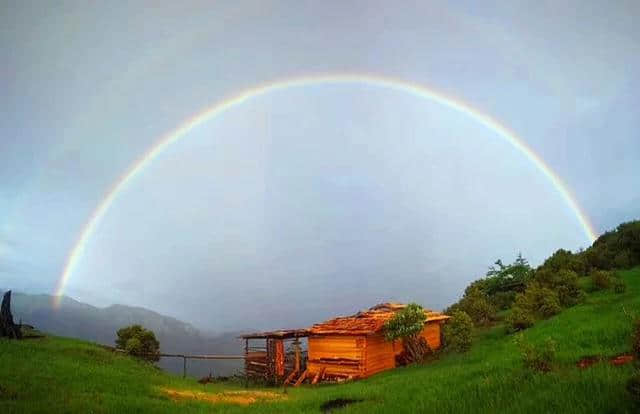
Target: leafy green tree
(458, 332)
(562, 281)
(139, 342)
(476, 304)
(407, 323)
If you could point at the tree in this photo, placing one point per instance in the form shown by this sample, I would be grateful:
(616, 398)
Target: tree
(476, 304)
(139, 342)
(7, 327)
(407, 324)
(458, 332)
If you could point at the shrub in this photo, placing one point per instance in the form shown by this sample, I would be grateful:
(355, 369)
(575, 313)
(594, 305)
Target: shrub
(619, 285)
(622, 260)
(564, 282)
(601, 279)
(540, 301)
(503, 300)
(537, 357)
(633, 386)
(139, 342)
(519, 319)
(475, 303)
(458, 332)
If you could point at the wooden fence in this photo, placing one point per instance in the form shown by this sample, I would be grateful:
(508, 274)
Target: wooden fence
(185, 357)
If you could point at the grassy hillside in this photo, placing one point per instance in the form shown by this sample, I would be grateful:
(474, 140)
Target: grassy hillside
(80, 320)
(58, 374)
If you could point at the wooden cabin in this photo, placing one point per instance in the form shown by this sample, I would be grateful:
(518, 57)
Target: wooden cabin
(355, 346)
(342, 348)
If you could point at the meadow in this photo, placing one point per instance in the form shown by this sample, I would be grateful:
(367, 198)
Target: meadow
(64, 375)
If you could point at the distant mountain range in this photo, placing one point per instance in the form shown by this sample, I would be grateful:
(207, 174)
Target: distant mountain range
(80, 320)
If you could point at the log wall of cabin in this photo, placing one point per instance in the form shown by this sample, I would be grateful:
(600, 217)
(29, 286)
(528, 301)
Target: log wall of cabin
(339, 355)
(379, 356)
(431, 334)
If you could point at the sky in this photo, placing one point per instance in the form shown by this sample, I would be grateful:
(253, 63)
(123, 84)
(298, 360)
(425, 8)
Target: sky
(314, 201)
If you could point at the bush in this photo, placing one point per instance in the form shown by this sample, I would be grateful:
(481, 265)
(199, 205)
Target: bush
(622, 260)
(540, 301)
(475, 303)
(458, 332)
(537, 358)
(503, 300)
(564, 282)
(633, 386)
(601, 279)
(519, 319)
(619, 285)
(139, 342)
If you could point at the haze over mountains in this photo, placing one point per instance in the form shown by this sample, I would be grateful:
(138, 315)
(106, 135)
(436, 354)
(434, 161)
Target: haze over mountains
(80, 320)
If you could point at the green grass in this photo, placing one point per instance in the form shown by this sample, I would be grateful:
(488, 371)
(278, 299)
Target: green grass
(65, 375)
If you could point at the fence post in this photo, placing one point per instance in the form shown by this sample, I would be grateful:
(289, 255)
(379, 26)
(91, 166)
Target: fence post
(184, 367)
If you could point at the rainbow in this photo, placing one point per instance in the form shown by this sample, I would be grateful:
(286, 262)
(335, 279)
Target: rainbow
(220, 107)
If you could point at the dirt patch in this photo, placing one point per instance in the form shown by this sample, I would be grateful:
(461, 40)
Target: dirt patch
(338, 403)
(230, 397)
(621, 359)
(586, 362)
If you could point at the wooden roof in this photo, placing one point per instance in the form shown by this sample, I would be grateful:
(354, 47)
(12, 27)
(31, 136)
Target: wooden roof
(366, 322)
(280, 334)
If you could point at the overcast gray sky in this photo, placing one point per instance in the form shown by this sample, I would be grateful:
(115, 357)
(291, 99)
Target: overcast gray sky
(314, 201)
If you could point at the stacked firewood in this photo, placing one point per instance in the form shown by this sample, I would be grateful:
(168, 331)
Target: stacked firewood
(416, 350)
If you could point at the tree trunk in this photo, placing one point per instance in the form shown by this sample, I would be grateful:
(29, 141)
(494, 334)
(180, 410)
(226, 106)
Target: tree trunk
(8, 329)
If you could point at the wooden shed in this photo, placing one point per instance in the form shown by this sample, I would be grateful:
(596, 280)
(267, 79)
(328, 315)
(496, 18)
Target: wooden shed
(355, 347)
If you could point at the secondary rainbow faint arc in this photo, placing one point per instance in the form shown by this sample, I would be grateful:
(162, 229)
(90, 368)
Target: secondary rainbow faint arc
(416, 90)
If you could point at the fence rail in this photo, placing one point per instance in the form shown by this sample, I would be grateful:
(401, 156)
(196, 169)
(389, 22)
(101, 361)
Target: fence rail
(185, 357)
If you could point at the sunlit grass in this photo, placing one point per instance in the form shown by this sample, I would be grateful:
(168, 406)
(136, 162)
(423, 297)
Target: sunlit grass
(64, 375)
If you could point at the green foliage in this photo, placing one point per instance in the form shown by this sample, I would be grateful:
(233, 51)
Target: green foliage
(475, 303)
(52, 375)
(507, 278)
(503, 300)
(536, 302)
(619, 285)
(497, 291)
(458, 332)
(538, 357)
(139, 342)
(565, 260)
(519, 319)
(616, 249)
(406, 323)
(601, 279)
(563, 281)
(540, 301)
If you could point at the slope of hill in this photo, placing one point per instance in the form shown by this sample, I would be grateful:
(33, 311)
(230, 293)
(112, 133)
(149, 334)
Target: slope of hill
(80, 320)
(58, 374)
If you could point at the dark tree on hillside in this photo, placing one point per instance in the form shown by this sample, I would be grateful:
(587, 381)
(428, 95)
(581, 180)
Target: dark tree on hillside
(8, 329)
(139, 342)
